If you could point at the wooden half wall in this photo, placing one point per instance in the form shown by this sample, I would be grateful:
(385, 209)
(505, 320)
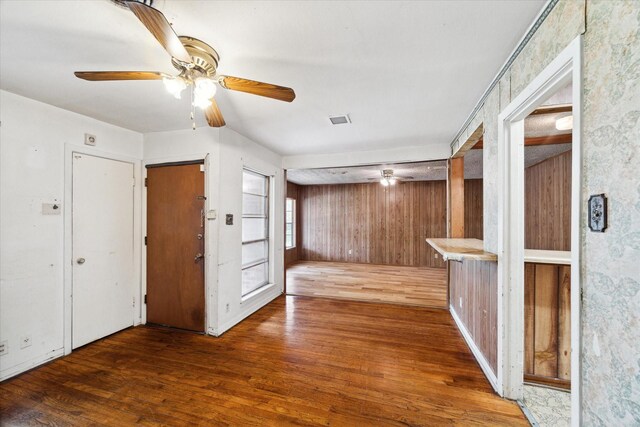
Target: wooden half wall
(473, 294)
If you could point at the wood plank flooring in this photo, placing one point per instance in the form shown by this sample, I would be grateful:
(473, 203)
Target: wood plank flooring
(297, 361)
(420, 286)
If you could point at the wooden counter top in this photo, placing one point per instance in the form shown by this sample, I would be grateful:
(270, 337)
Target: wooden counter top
(547, 257)
(460, 249)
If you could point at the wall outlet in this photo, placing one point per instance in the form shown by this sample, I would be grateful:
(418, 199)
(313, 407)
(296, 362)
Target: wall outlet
(89, 139)
(460, 304)
(435, 256)
(350, 251)
(4, 348)
(25, 341)
(227, 307)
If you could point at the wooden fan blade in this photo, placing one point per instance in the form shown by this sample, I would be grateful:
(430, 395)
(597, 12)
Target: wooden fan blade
(96, 76)
(213, 115)
(158, 25)
(257, 88)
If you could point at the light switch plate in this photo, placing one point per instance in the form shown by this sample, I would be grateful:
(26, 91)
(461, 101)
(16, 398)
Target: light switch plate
(598, 212)
(212, 214)
(51, 209)
(229, 219)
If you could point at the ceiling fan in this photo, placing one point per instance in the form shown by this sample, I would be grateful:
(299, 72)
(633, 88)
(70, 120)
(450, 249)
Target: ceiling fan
(197, 63)
(388, 178)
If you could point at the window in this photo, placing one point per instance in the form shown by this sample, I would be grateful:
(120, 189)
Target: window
(255, 231)
(290, 224)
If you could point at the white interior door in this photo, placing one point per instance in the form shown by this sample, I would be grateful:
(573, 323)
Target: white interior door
(103, 273)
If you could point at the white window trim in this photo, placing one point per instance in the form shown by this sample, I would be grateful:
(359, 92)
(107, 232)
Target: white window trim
(270, 237)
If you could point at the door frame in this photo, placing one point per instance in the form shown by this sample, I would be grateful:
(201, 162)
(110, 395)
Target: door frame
(208, 232)
(565, 68)
(67, 208)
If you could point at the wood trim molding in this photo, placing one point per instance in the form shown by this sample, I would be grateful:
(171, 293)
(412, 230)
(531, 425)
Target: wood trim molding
(564, 138)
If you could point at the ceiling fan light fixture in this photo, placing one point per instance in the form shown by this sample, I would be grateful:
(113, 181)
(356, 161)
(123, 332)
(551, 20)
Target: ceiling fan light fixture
(392, 181)
(174, 85)
(201, 102)
(204, 88)
(384, 182)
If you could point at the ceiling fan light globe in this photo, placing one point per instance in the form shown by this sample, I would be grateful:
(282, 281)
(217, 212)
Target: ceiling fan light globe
(201, 102)
(392, 181)
(204, 88)
(384, 182)
(174, 85)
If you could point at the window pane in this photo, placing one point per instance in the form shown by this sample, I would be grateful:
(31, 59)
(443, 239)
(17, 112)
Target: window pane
(254, 277)
(289, 217)
(254, 229)
(289, 241)
(252, 252)
(254, 205)
(289, 205)
(254, 183)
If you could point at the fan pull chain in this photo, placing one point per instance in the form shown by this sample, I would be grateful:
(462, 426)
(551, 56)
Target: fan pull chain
(193, 108)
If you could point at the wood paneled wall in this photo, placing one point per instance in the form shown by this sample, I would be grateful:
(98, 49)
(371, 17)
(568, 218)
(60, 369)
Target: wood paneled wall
(473, 293)
(473, 227)
(548, 204)
(547, 324)
(291, 256)
(368, 223)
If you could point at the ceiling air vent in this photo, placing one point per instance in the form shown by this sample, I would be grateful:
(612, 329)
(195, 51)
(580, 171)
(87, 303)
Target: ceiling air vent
(340, 120)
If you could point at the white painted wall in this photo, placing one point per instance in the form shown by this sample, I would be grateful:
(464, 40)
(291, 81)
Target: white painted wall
(228, 153)
(33, 137)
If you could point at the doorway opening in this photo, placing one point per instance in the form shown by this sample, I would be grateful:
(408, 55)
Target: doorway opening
(539, 241)
(175, 242)
(359, 233)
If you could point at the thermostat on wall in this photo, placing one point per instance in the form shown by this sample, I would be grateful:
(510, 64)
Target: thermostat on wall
(89, 139)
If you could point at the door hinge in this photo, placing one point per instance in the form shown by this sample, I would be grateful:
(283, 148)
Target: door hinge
(134, 301)
(145, 298)
(581, 295)
(146, 182)
(145, 240)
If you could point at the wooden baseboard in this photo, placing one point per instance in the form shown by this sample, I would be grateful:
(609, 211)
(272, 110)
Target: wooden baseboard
(549, 382)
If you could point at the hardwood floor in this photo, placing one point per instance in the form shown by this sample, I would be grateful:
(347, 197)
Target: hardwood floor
(298, 361)
(420, 286)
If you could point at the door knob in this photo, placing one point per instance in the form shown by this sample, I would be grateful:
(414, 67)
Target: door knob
(198, 256)
(80, 260)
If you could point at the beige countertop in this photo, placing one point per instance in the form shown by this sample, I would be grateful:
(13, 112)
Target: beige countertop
(547, 257)
(459, 249)
(473, 249)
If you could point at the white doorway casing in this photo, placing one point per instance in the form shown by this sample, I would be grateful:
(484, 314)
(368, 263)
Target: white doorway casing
(564, 69)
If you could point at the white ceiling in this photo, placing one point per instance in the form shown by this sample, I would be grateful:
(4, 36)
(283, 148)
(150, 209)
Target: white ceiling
(536, 125)
(407, 72)
(422, 171)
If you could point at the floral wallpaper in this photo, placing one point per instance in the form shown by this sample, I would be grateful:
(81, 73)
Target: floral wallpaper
(611, 165)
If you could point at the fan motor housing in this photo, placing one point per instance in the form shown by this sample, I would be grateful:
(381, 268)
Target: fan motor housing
(205, 58)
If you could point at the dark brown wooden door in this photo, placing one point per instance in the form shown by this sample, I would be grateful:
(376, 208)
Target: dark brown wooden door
(175, 246)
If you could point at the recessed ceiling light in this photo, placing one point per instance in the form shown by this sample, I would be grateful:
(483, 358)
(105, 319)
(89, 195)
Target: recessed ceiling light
(340, 120)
